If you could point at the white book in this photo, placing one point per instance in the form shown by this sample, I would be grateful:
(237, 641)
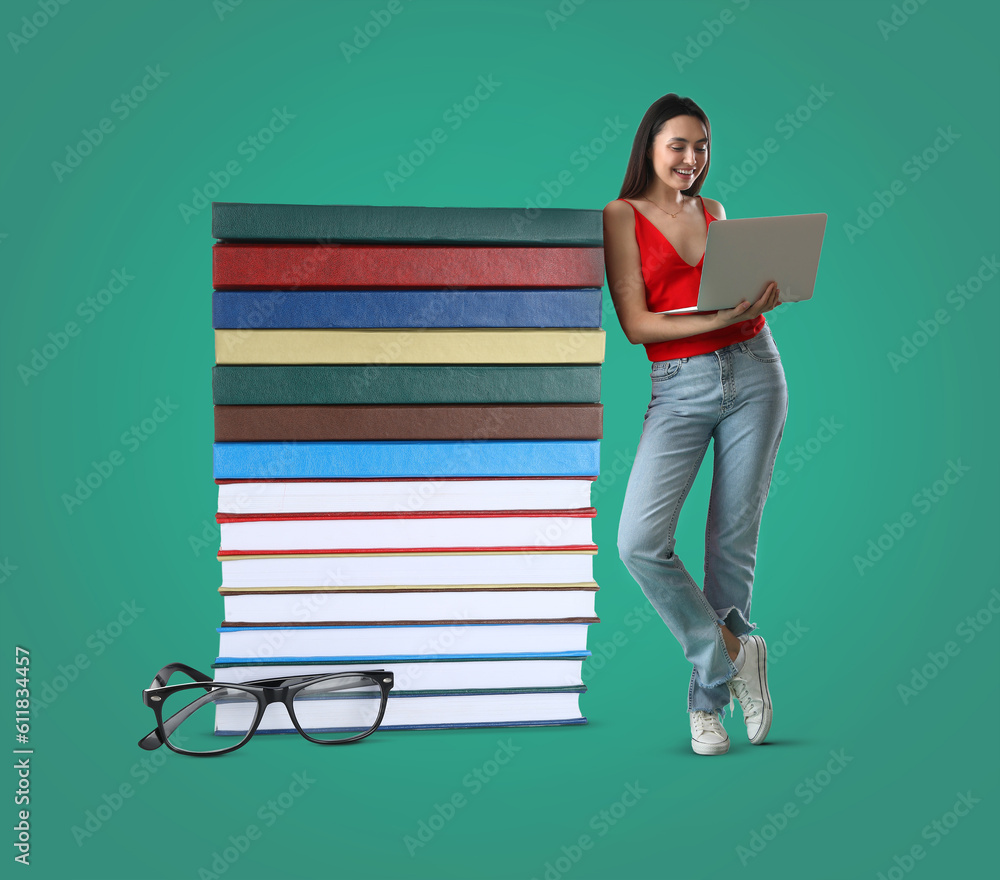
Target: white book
(408, 531)
(411, 675)
(328, 496)
(406, 569)
(419, 710)
(389, 641)
(363, 606)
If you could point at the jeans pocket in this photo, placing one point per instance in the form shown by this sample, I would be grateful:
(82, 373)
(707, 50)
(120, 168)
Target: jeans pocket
(762, 348)
(666, 369)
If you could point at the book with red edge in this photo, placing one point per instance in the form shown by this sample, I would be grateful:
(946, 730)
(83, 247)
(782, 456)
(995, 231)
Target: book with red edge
(401, 494)
(244, 571)
(372, 532)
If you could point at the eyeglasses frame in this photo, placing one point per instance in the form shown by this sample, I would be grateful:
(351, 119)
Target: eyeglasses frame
(266, 691)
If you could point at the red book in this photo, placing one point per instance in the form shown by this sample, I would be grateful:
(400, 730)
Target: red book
(240, 266)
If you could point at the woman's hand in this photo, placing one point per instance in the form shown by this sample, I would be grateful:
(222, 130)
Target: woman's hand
(747, 311)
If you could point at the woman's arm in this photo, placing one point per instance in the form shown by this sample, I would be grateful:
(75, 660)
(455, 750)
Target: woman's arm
(628, 290)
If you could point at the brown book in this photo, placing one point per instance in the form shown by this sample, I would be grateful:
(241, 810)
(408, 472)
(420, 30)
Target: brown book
(568, 421)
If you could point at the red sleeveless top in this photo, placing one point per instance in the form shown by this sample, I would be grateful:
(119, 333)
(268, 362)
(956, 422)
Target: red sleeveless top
(672, 283)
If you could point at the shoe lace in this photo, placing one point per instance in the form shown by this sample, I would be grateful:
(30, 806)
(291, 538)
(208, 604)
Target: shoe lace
(705, 722)
(752, 709)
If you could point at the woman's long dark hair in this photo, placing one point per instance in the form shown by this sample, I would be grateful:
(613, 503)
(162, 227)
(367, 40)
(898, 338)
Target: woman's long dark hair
(640, 166)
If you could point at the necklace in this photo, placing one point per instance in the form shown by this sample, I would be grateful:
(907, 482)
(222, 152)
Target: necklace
(665, 211)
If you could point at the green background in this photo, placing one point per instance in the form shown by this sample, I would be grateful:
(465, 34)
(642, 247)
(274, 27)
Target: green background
(842, 640)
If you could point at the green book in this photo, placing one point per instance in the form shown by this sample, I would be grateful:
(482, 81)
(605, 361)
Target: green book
(384, 384)
(238, 221)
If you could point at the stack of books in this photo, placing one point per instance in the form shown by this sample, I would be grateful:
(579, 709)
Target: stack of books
(407, 427)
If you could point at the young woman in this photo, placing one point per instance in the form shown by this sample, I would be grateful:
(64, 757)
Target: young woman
(714, 375)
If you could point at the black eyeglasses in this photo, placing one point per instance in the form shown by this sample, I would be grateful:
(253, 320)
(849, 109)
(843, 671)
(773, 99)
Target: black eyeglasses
(333, 709)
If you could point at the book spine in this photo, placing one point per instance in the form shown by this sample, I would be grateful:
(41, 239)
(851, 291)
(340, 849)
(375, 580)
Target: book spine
(364, 266)
(236, 423)
(245, 309)
(428, 384)
(424, 346)
(403, 458)
(375, 223)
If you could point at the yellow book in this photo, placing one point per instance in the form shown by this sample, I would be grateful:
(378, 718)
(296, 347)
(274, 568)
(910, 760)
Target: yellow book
(413, 346)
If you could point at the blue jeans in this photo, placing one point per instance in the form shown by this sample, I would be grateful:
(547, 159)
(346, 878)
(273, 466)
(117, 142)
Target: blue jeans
(738, 396)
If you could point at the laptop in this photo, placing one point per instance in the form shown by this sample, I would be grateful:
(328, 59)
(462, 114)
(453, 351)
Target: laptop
(743, 255)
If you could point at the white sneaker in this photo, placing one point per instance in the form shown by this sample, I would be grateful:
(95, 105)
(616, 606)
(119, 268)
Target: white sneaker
(708, 736)
(749, 686)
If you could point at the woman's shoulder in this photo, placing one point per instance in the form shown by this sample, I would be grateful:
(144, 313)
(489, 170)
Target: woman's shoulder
(619, 212)
(616, 207)
(714, 208)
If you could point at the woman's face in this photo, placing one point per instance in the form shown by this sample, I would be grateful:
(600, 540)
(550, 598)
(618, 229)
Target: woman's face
(680, 151)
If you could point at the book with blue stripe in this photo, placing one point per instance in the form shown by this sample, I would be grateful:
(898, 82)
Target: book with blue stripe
(406, 458)
(423, 673)
(388, 641)
(412, 710)
(350, 309)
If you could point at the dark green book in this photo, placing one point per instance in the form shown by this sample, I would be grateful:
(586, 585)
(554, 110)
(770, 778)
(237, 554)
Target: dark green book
(384, 384)
(238, 221)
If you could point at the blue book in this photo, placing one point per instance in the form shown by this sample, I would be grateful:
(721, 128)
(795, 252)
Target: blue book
(406, 458)
(345, 309)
